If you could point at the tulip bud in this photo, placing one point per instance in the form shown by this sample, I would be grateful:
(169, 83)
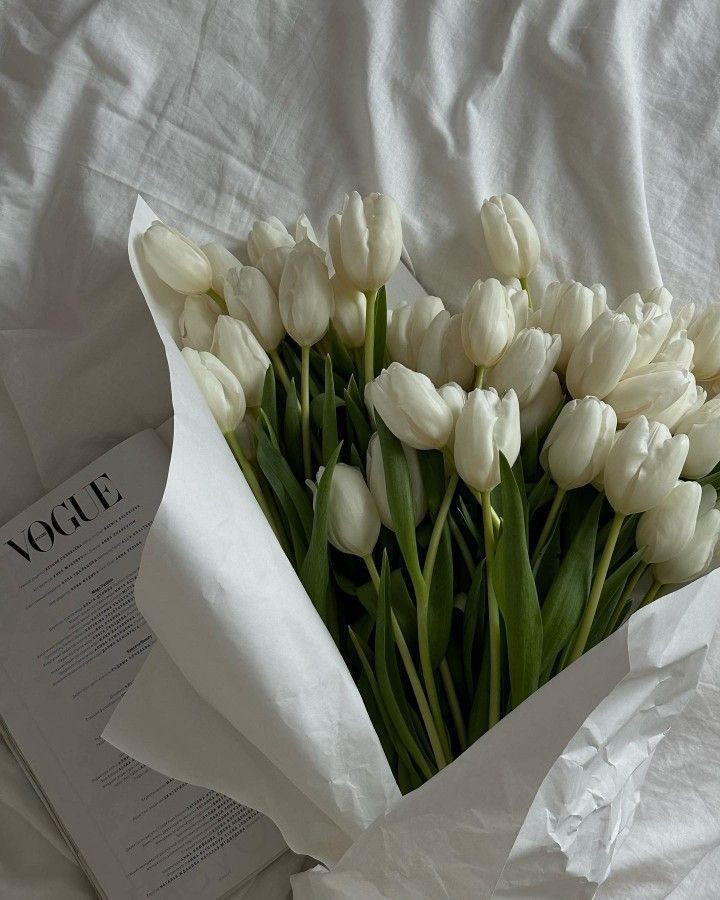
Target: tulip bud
(601, 356)
(304, 230)
(643, 465)
(579, 442)
(488, 322)
(353, 524)
(267, 236)
(666, 529)
(306, 297)
(221, 261)
(335, 247)
(441, 356)
(272, 265)
(378, 488)
(411, 407)
(697, 556)
(197, 321)
(455, 397)
(704, 332)
(702, 426)
(486, 427)
(349, 312)
(221, 389)
(653, 327)
(660, 392)
(251, 299)
(526, 365)
(510, 235)
(407, 328)
(537, 413)
(521, 307)
(176, 260)
(677, 349)
(236, 346)
(569, 309)
(370, 240)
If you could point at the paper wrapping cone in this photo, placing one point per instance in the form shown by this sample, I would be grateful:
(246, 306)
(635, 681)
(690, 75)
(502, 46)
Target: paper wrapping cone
(537, 808)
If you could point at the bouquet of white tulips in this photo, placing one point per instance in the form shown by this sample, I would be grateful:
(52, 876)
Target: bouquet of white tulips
(471, 501)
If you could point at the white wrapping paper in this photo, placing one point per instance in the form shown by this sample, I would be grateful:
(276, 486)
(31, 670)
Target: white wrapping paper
(537, 808)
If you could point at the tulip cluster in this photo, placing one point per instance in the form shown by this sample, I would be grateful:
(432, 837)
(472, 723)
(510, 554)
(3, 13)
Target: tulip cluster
(471, 498)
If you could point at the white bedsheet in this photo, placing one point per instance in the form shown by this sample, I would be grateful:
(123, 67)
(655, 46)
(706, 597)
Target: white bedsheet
(601, 117)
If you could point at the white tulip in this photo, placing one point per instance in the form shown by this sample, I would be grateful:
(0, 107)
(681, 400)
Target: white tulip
(272, 265)
(486, 427)
(659, 295)
(407, 328)
(526, 365)
(266, 236)
(353, 524)
(221, 261)
(682, 320)
(538, 412)
(335, 246)
(236, 346)
(569, 308)
(665, 530)
(643, 465)
(702, 426)
(349, 312)
(370, 240)
(601, 355)
(304, 230)
(521, 308)
(176, 260)
(197, 321)
(441, 356)
(455, 397)
(306, 297)
(411, 407)
(488, 322)
(378, 488)
(659, 391)
(221, 389)
(697, 556)
(510, 235)
(251, 299)
(653, 328)
(704, 332)
(677, 349)
(577, 447)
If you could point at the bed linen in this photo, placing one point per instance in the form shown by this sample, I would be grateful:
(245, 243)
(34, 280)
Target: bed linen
(601, 117)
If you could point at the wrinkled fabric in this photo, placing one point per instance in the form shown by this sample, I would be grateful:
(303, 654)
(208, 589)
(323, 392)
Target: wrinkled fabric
(600, 117)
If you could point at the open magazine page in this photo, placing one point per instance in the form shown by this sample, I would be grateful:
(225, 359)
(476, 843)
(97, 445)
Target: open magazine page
(71, 642)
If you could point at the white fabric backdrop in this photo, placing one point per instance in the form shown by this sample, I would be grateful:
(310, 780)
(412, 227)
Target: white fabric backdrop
(601, 117)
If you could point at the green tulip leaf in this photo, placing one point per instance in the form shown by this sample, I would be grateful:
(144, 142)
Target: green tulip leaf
(268, 404)
(565, 601)
(610, 596)
(285, 485)
(516, 593)
(380, 330)
(329, 418)
(441, 600)
(432, 470)
(399, 495)
(473, 624)
(342, 361)
(292, 432)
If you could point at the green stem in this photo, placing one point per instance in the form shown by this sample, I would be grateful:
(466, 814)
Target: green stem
(305, 409)
(493, 611)
(455, 710)
(479, 376)
(438, 528)
(280, 369)
(651, 593)
(524, 285)
(218, 299)
(413, 677)
(547, 526)
(252, 480)
(369, 353)
(596, 590)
